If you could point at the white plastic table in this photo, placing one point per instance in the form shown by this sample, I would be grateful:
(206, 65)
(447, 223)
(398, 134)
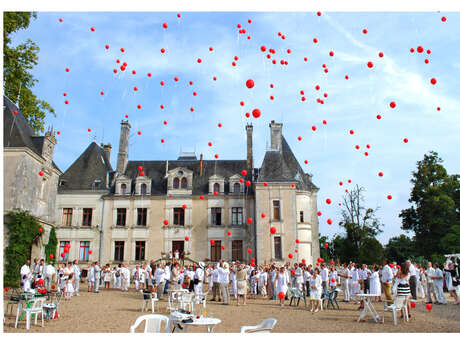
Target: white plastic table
(368, 307)
(210, 323)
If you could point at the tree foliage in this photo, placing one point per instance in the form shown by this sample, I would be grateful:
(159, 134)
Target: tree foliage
(17, 65)
(435, 208)
(51, 247)
(23, 231)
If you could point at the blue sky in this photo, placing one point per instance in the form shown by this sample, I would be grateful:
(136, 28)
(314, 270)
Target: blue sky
(352, 104)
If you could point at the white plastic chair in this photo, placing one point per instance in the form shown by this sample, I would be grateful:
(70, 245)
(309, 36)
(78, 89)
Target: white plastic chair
(145, 301)
(400, 303)
(153, 323)
(201, 299)
(265, 326)
(187, 300)
(36, 308)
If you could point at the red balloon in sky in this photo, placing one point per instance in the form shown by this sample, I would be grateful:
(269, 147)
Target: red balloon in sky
(364, 31)
(443, 19)
(165, 25)
(389, 197)
(263, 48)
(326, 245)
(60, 20)
(393, 105)
(420, 49)
(163, 50)
(299, 138)
(92, 29)
(139, 133)
(122, 50)
(67, 70)
(352, 132)
(370, 64)
(331, 53)
(107, 46)
(380, 54)
(380, 174)
(379, 116)
(313, 128)
(315, 40)
(199, 60)
(346, 77)
(328, 201)
(318, 14)
(211, 242)
(329, 222)
(406, 140)
(305, 59)
(249, 220)
(290, 256)
(250, 83)
(273, 230)
(306, 162)
(433, 81)
(244, 173)
(242, 103)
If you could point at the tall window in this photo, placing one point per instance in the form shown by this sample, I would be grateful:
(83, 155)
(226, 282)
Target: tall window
(216, 216)
(84, 250)
(216, 251)
(123, 189)
(119, 253)
(143, 189)
(277, 242)
(67, 216)
(183, 183)
(276, 210)
(237, 216)
(179, 216)
(87, 217)
(236, 188)
(216, 187)
(176, 183)
(121, 216)
(237, 250)
(61, 250)
(301, 216)
(142, 216)
(140, 250)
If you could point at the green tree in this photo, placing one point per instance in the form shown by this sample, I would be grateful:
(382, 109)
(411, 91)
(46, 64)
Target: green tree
(436, 203)
(372, 252)
(17, 65)
(325, 252)
(360, 224)
(451, 241)
(51, 247)
(400, 248)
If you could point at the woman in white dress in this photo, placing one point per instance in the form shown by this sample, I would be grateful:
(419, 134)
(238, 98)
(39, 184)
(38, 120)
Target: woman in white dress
(281, 285)
(316, 290)
(374, 283)
(69, 287)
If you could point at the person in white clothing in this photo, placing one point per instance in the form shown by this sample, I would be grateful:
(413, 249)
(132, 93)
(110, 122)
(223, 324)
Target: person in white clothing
(91, 278)
(324, 276)
(135, 276)
(199, 276)
(223, 280)
(215, 284)
(124, 271)
(306, 279)
(316, 290)
(281, 284)
(298, 276)
(344, 273)
(76, 277)
(234, 288)
(263, 283)
(333, 277)
(374, 283)
(438, 278)
(160, 280)
(50, 273)
(420, 289)
(26, 276)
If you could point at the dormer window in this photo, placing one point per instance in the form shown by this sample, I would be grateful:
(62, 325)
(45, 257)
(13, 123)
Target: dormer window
(183, 183)
(143, 189)
(216, 187)
(176, 183)
(236, 188)
(123, 189)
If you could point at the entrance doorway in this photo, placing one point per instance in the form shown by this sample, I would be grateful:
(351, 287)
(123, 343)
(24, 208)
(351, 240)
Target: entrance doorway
(179, 246)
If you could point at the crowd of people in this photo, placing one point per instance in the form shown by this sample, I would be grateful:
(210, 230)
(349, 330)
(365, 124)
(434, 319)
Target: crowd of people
(224, 281)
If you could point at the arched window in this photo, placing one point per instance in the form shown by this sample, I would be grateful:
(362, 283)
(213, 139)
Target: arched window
(123, 189)
(143, 189)
(176, 183)
(216, 187)
(183, 183)
(236, 188)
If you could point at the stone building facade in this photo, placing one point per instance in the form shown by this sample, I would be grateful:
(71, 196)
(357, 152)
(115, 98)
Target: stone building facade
(25, 155)
(144, 209)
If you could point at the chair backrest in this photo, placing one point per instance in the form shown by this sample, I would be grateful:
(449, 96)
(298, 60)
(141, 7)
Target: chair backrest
(38, 303)
(335, 293)
(268, 323)
(187, 297)
(153, 323)
(401, 301)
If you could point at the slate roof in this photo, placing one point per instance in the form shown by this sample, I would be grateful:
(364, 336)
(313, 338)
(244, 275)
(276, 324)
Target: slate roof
(17, 131)
(91, 165)
(156, 171)
(284, 167)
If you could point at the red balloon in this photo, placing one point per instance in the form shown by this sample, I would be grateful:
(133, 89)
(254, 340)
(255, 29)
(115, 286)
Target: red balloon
(244, 173)
(299, 138)
(333, 280)
(40, 230)
(389, 197)
(62, 255)
(262, 215)
(380, 54)
(187, 238)
(90, 252)
(329, 222)
(223, 247)
(256, 113)
(281, 295)
(392, 105)
(413, 304)
(326, 245)
(211, 242)
(249, 251)
(166, 222)
(313, 128)
(165, 25)
(51, 256)
(331, 53)
(229, 233)
(201, 197)
(370, 64)
(420, 49)
(66, 249)
(142, 174)
(60, 20)
(319, 213)
(364, 31)
(328, 201)
(315, 40)
(290, 255)
(107, 46)
(249, 220)
(41, 173)
(380, 174)
(304, 261)
(250, 83)
(406, 140)
(92, 29)
(265, 184)
(263, 48)
(273, 230)
(184, 206)
(443, 19)
(429, 306)
(391, 266)
(433, 81)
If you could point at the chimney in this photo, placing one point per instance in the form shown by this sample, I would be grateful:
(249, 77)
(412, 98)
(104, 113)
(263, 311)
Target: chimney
(123, 148)
(250, 160)
(107, 149)
(276, 135)
(49, 141)
(201, 164)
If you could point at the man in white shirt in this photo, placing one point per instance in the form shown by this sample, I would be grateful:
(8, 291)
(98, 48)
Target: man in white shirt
(387, 280)
(91, 278)
(438, 278)
(26, 276)
(97, 277)
(324, 276)
(136, 276)
(223, 280)
(76, 277)
(215, 284)
(50, 272)
(412, 279)
(124, 271)
(273, 278)
(344, 273)
(365, 272)
(306, 279)
(199, 276)
(263, 283)
(430, 284)
(167, 275)
(160, 280)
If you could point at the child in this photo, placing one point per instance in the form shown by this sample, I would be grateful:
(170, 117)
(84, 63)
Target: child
(253, 281)
(91, 278)
(69, 287)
